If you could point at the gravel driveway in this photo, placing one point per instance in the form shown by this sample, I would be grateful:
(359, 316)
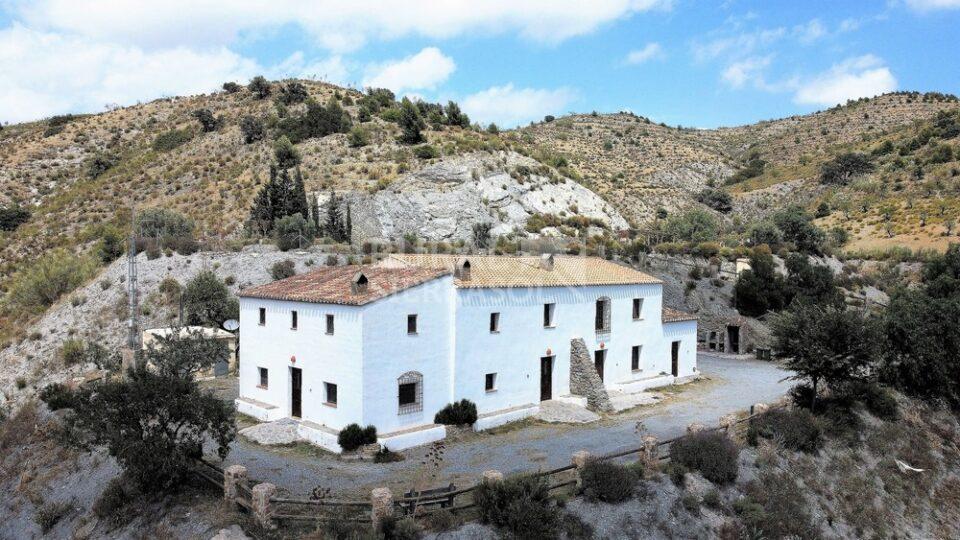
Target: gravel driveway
(730, 384)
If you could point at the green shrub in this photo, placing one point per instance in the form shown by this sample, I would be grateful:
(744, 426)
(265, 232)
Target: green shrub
(459, 413)
(293, 231)
(50, 514)
(13, 216)
(385, 455)
(426, 151)
(100, 163)
(358, 137)
(72, 352)
(520, 505)
(172, 139)
(353, 436)
(677, 473)
(776, 507)
(796, 429)
(113, 500)
(405, 528)
(40, 284)
(607, 482)
(877, 399)
(712, 453)
(207, 301)
(691, 502)
(57, 396)
(712, 499)
(283, 269)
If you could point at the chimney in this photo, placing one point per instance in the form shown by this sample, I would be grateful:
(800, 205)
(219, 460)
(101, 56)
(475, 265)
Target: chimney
(462, 270)
(546, 261)
(358, 285)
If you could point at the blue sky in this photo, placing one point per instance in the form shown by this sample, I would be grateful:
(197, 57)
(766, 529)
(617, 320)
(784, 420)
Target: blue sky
(693, 63)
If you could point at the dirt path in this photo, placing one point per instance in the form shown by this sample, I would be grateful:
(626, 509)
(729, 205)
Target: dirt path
(731, 384)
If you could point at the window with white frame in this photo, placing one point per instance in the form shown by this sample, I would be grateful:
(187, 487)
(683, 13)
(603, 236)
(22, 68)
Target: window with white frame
(490, 382)
(602, 315)
(264, 377)
(410, 392)
(330, 394)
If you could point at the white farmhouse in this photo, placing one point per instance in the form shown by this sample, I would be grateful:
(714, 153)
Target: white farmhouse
(392, 344)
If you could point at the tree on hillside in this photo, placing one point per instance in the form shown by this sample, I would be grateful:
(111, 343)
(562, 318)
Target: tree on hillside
(207, 121)
(184, 353)
(694, 225)
(843, 168)
(760, 289)
(798, 228)
(825, 344)
(716, 199)
(318, 121)
(252, 129)
(410, 123)
(259, 87)
(280, 197)
(231, 87)
(456, 117)
(207, 301)
(285, 153)
(13, 216)
(293, 231)
(765, 233)
(338, 224)
(811, 283)
(292, 92)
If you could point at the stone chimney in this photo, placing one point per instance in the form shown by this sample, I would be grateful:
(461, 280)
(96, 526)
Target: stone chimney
(358, 285)
(546, 261)
(462, 270)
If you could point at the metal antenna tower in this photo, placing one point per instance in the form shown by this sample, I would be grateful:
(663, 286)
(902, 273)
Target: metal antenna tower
(133, 299)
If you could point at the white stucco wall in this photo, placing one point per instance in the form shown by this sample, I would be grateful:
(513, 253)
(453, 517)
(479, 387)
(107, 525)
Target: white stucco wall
(686, 333)
(332, 358)
(389, 352)
(514, 353)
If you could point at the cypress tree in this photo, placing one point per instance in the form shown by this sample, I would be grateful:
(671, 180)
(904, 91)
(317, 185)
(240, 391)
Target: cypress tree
(299, 197)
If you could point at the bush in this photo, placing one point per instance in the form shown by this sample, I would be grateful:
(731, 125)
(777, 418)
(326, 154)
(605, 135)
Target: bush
(252, 129)
(677, 473)
(385, 455)
(259, 87)
(405, 528)
(877, 399)
(50, 514)
(358, 137)
(162, 228)
(283, 269)
(207, 301)
(607, 482)
(172, 139)
(207, 121)
(776, 507)
(843, 168)
(13, 216)
(426, 151)
(112, 501)
(353, 436)
(57, 396)
(40, 284)
(797, 430)
(520, 505)
(713, 454)
(72, 352)
(459, 413)
(293, 232)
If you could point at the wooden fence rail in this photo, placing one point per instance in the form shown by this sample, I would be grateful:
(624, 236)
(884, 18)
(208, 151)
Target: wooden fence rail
(268, 509)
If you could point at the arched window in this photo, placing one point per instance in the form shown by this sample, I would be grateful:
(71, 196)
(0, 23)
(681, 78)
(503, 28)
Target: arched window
(410, 392)
(602, 319)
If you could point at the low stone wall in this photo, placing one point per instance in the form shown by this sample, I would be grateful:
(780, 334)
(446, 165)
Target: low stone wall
(584, 380)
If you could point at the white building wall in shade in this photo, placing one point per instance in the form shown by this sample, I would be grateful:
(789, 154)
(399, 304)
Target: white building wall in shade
(515, 351)
(389, 351)
(321, 357)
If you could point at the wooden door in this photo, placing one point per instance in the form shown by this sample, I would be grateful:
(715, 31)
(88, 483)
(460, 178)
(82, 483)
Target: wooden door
(546, 378)
(733, 334)
(598, 359)
(675, 358)
(296, 392)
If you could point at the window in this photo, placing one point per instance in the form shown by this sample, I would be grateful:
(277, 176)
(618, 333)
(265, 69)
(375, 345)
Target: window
(410, 392)
(330, 390)
(491, 382)
(293, 320)
(263, 378)
(548, 311)
(329, 324)
(637, 307)
(263, 316)
(494, 323)
(412, 324)
(602, 316)
(635, 358)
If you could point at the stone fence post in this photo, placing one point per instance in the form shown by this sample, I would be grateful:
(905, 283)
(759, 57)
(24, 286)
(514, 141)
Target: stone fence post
(728, 422)
(759, 408)
(492, 476)
(695, 427)
(649, 452)
(233, 477)
(260, 503)
(381, 506)
(580, 459)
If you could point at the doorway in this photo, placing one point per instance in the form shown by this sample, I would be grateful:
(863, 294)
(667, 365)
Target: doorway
(675, 358)
(599, 356)
(296, 392)
(546, 378)
(733, 339)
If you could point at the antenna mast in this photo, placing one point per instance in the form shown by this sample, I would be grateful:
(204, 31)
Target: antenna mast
(133, 306)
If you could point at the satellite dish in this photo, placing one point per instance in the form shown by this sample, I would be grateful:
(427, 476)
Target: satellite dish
(231, 325)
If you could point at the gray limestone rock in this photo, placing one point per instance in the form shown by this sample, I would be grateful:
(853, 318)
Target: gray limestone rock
(584, 380)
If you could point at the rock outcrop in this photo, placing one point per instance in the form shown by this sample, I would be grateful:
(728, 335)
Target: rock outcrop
(584, 380)
(445, 200)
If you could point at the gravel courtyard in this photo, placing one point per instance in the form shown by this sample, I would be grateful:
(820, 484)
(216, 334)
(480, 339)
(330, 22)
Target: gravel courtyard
(729, 384)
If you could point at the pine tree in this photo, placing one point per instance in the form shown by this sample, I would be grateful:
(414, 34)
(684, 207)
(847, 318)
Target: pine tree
(410, 122)
(315, 212)
(299, 197)
(332, 226)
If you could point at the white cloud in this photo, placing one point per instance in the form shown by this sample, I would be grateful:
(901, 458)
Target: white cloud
(336, 25)
(49, 73)
(508, 106)
(650, 51)
(746, 71)
(424, 70)
(810, 32)
(739, 45)
(932, 5)
(862, 76)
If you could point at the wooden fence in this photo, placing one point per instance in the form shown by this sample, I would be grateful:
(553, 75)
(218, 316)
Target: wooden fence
(268, 509)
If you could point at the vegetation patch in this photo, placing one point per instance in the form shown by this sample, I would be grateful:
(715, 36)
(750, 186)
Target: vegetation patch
(713, 454)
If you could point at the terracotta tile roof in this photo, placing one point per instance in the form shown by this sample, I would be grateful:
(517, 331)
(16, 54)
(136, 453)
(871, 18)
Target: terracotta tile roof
(332, 285)
(673, 315)
(501, 271)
